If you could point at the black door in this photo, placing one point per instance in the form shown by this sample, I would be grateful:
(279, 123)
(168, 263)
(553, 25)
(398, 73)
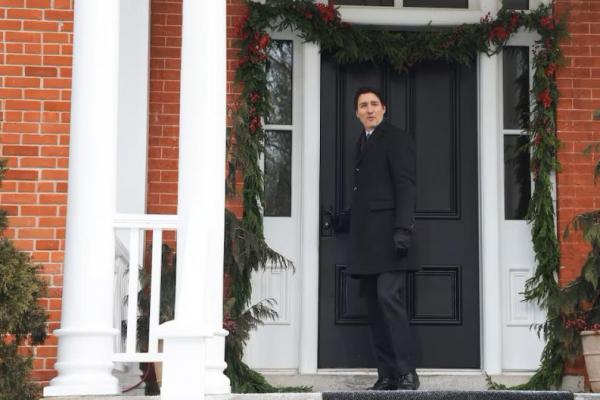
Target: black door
(437, 103)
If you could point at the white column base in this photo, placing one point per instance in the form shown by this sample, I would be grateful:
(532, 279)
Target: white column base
(184, 361)
(216, 381)
(83, 365)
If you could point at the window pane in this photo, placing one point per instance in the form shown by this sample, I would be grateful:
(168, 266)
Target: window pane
(517, 182)
(279, 81)
(365, 2)
(515, 77)
(437, 3)
(516, 4)
(278, 174)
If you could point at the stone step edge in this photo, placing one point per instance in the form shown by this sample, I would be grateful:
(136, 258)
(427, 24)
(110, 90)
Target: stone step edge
(273, 396)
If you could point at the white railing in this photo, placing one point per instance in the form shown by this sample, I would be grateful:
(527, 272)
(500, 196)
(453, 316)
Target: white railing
(128, 262)
(121, 279)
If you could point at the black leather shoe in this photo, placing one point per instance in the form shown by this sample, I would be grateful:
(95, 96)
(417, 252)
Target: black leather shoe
(385, 384)
(409, 381)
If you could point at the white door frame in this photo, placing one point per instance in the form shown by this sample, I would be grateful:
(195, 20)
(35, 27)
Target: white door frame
(489, 217)
(489, 140)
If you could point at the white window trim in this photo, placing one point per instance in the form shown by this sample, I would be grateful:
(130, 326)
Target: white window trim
(413, 16)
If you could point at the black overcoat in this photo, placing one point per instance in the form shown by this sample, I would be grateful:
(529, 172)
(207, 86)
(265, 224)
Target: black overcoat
(383, 198)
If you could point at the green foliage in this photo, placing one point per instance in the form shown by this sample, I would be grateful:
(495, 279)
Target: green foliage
(321, 24)
(245, 252)
(21, 317)
(168, 277)
(14, 375)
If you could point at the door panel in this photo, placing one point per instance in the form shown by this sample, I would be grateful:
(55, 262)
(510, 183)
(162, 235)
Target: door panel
(436, 102)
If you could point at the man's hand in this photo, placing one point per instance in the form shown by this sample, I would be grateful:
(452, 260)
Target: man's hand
(402, 238)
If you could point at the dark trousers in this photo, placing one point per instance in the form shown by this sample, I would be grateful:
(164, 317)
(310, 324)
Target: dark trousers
(393, 342)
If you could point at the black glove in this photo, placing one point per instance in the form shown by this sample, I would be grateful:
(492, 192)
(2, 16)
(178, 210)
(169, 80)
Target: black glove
(402, 238)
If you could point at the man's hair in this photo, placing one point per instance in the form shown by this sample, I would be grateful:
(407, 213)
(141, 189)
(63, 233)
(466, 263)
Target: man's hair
(364, 90)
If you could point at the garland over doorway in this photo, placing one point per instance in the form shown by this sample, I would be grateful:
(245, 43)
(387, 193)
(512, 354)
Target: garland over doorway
(321, 24)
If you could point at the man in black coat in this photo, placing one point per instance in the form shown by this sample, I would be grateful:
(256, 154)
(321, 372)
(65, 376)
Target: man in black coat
(383, 238)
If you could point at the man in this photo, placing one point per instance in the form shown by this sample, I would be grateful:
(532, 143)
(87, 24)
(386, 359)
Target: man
(382, 237)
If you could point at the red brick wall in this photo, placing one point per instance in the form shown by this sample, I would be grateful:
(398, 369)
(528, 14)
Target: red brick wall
(236, 9)
(163, 118)
(165, 63)
(35, 88)
(579, 85)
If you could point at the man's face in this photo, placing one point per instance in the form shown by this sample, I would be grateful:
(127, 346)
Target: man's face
(369, 110)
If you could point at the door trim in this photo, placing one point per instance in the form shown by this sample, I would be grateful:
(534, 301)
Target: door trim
(489, 216)
(489, 143)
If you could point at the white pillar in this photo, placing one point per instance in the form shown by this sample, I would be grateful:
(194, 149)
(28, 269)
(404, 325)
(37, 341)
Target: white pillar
(195, 340)
(490, 147)
(86, 335)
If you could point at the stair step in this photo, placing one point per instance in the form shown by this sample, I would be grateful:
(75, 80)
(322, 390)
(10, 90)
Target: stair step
(430, 380)
(416, 395)
(449, 395)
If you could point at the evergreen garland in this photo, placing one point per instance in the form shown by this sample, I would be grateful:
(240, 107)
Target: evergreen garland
(321, 24)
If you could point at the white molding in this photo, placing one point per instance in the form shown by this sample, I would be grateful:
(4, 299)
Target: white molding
(137, 357)
(309, 256)
(409, 16)
(275, 284)
(146, 221)
(490, 213)
(518, 312)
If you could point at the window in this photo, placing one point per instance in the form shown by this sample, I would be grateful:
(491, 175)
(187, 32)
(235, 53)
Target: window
(517, 173)
(278, 130)
(516, 4)
(437, 3)
(407, 3)
(278, 173)
(388, 3)
(517, 180)
(279, 81)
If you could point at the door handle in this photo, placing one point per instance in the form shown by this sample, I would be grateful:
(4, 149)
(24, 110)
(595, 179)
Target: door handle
(332, 222)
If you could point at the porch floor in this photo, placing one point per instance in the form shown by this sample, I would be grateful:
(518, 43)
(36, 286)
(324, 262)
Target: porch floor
(433, 386)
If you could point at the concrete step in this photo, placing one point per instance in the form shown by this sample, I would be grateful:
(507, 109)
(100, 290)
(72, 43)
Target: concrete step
(418, 395)
(349, 380)
(354, 382)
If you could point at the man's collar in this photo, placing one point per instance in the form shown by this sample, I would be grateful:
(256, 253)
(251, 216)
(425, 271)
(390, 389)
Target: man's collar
(370, 131)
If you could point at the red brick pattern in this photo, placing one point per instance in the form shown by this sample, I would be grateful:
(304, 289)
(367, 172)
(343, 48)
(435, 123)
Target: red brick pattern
(579, 85)
(35, 90)
(163, 134)
(163, 118)
(236, 9)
